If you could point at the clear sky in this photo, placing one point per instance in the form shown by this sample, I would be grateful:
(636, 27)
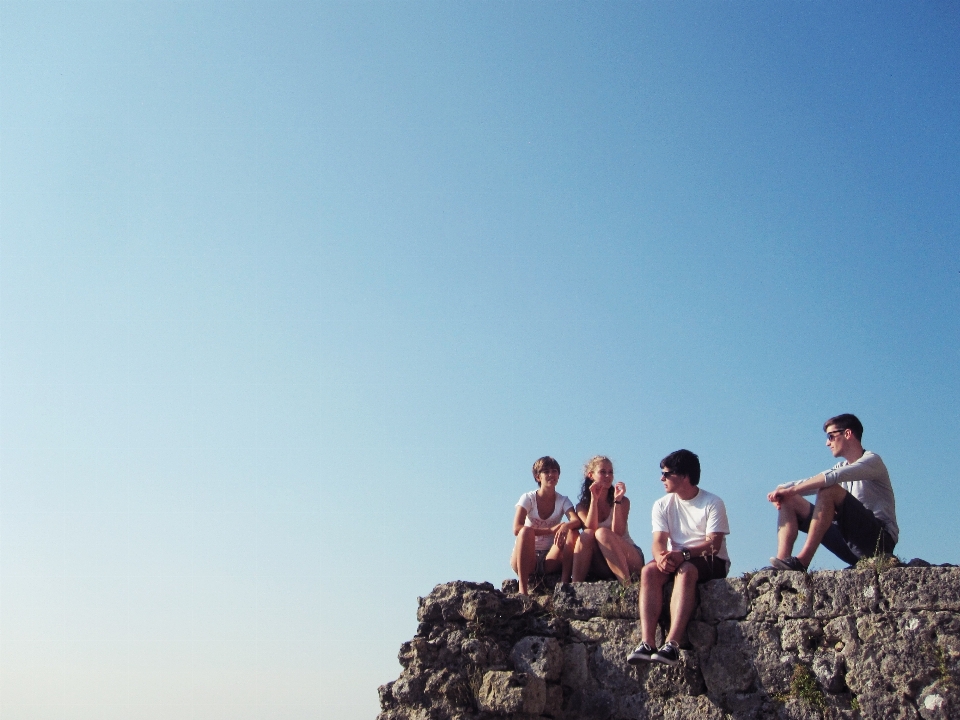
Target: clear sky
(293, 295)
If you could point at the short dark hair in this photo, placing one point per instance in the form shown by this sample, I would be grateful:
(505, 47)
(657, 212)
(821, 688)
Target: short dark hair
(683, 462)
(846, 422)
(543, 464)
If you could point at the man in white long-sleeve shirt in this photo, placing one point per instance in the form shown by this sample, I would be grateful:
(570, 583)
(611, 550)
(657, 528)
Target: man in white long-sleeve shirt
(854, 515)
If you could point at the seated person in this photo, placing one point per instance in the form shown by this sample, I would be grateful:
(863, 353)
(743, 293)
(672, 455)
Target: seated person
(604, 547)
(544, 542)
(689, 544)
(854, 514)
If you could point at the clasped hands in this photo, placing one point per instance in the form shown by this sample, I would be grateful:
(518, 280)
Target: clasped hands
(669, 560)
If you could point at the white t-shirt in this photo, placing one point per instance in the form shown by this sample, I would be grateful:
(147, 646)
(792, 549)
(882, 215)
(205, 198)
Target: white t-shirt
(528, 501)
(690, 521)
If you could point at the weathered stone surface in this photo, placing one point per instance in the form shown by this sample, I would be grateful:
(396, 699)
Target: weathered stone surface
(511, 692)
(408, 688)
(635, 706)
(686, 707)
(576, 673)
(591, 705)
(723, 600)
(453, 688)
(938, 702)
(539, 656)
(582, 601)
(553, 707)
(932, 588)
(729, 667)
(844, 592)
(873, 643)
(830, 670)
(841, 634)
(446, 601)
(896, 659)
(701, 635)
(802, 636)
(779, 595)
(608, 668)
(597, 629)
(666, 681)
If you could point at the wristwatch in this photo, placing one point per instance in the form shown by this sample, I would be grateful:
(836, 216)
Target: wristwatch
(685, 553)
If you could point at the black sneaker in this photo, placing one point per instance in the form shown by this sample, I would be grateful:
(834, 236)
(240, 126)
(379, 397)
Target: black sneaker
(669, 654)
(643, 653)
(791, 563)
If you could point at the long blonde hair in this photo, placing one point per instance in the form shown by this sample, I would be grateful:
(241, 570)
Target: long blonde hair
(591, 465)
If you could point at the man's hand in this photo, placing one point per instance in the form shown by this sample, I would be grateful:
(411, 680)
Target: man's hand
(778, 496)
(560, 535)
(667, 562)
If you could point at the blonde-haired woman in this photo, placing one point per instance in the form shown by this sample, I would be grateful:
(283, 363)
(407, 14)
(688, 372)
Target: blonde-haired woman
(604, 547)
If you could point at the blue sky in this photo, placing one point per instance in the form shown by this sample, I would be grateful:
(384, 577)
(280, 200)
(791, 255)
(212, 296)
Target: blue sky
(293, 295)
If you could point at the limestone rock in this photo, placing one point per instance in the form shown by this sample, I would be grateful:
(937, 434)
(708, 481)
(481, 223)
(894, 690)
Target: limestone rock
(844, 592)
(876, 642)
(582, 601)
(937, 701)
(922, 588)
(538, 656)
(505, 692)
(576, 673)
(779, 595)
(723, 600)
(553, 707)
(591, 705)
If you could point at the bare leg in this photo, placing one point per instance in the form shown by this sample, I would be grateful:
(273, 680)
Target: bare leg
(652, 581)
(828, 500)
(583, 554)
(682, 600)
(524, 558)
(613, 553)
(554, 560)
(622, 557)
(788, 518)
(598, 564)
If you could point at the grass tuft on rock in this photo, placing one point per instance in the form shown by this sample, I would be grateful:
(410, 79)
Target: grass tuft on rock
(803, 687)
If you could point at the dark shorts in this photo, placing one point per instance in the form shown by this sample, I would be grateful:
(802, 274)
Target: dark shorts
(710, 568)
(856, 533)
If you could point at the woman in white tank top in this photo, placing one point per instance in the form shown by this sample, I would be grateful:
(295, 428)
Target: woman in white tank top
(604, 547)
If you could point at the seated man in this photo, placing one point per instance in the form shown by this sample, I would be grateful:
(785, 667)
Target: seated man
(854, 515)
(689, 545)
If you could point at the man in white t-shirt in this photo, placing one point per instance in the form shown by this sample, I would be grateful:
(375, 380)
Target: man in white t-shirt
(689, 544)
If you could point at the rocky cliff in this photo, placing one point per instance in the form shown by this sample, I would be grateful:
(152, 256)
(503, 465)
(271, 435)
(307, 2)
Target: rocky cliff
(863, 643)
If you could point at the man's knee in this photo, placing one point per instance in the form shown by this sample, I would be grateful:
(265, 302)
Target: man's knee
(687, 574)
(651, 574)
(832, 495)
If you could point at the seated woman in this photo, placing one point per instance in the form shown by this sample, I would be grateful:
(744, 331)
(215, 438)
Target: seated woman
(604, 547)
(544, 542)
